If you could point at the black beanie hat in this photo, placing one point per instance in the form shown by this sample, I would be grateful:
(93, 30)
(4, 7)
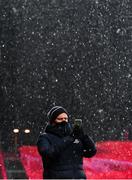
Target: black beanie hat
(54, 112)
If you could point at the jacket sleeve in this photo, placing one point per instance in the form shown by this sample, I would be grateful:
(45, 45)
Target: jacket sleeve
(89, 146)
(46, 149)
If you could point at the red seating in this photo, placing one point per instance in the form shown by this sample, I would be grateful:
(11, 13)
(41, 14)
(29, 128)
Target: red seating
(31, 161)
(3, 174)
(113, 161)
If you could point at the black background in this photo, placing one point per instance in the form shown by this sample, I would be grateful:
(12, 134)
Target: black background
(74, 53)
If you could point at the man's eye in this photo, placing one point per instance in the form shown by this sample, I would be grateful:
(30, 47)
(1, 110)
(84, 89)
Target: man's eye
(62, 118)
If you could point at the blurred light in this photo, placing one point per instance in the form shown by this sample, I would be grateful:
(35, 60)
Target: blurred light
(16, 130)
(27, 131)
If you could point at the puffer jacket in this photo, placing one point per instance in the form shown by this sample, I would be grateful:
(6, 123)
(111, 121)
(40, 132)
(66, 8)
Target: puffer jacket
(62, 155)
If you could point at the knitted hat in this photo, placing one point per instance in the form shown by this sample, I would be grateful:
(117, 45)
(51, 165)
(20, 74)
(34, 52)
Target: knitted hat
(54, 112)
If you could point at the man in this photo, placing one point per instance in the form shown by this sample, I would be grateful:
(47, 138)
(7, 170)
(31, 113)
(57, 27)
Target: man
(62, 147)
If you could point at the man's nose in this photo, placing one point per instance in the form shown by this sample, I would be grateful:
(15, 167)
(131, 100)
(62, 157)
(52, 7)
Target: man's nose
(65, 119)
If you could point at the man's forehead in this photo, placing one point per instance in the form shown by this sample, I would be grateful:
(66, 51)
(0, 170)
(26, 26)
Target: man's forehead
(63, 115)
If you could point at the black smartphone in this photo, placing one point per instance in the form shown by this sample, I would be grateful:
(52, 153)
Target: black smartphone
(78, 123)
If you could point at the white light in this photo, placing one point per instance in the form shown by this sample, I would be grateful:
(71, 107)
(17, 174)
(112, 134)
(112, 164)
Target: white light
(16, 130)
(27, 131)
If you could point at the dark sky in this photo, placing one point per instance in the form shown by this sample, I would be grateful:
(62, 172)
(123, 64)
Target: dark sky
(74, 53)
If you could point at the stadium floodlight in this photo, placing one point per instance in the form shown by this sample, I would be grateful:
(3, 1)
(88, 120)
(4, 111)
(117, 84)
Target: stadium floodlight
(27, 131)
(16, 130)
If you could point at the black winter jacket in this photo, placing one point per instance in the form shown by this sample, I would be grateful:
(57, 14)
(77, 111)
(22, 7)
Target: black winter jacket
(62, 155)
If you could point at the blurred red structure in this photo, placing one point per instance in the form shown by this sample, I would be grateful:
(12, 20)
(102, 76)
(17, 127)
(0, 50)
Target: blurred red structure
(3, 174)
(31, 161)
(113, 161)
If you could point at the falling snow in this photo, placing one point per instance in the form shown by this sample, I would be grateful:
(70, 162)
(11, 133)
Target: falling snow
(73, 53)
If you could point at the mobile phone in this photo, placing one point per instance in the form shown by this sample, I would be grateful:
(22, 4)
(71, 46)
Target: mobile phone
(78, 123)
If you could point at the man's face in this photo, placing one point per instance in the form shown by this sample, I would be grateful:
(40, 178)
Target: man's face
(63, 117)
